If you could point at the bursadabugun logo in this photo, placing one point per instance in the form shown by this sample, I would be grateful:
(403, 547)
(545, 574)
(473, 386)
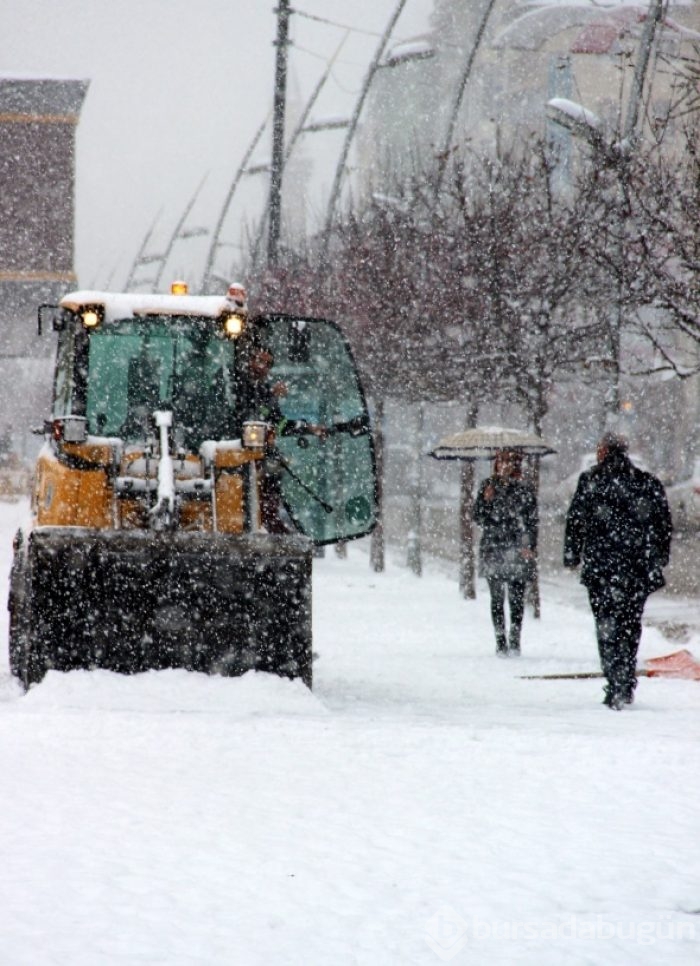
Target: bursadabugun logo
(447, 932)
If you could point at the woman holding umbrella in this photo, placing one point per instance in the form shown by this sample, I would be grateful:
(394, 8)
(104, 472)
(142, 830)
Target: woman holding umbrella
(506, 510)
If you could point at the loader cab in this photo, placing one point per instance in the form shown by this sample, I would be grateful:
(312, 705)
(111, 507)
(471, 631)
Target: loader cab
(126, 356)
(117, 374)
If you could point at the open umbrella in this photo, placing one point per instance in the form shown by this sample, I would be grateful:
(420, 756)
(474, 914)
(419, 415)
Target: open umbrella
(485, 441)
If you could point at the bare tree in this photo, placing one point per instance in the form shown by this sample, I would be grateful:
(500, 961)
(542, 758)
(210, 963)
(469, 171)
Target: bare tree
(665, 204)
(503, 289)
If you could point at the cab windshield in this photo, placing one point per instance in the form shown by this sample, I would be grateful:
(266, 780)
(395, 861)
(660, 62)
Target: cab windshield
(138, 365)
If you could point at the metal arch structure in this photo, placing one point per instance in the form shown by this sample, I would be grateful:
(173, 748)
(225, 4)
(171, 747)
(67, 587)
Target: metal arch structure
(161, 259)
(215, 240)
(354, 120)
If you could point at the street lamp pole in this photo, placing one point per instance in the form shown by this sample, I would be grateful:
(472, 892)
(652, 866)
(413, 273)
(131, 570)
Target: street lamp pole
(141, 254)
(459, 94)
(177, 233)
(654, 15)
(583, 123)
(161, 259)
(215, 243)
(278, 116)
(354, 120)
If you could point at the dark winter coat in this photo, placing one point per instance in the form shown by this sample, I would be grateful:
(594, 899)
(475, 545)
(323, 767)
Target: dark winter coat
(257, 400)
(619, 525)
(509, 526)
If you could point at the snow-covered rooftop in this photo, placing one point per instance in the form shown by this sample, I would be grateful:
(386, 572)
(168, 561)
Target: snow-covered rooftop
(602, 24)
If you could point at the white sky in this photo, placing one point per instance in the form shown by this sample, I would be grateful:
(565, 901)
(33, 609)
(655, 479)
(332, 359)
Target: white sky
(177, 90)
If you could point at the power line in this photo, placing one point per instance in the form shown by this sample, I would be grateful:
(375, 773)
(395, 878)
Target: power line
(323, 57)
(333, 23)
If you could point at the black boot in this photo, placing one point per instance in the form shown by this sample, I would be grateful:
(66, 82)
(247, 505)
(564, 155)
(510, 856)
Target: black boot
(628, 682)
(501, 643)
(613, 699)
(514, 640)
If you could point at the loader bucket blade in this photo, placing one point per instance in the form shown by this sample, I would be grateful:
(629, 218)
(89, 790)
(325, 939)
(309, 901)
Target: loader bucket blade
(137, 600)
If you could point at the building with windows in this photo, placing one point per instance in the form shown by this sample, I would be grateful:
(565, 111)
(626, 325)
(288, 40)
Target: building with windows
(38, 121)
(496, 64)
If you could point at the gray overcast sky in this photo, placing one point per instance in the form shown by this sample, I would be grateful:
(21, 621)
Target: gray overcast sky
(177, 90)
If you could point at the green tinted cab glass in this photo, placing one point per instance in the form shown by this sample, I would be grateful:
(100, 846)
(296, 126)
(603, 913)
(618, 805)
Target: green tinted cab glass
(328, 485)
(139, 365)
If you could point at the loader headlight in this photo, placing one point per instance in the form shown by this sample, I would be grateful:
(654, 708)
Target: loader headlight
(69, 429)
(92, 315)
(254, 434)
(234, 323)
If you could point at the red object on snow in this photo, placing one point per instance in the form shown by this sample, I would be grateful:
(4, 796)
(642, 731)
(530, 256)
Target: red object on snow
(680, 664)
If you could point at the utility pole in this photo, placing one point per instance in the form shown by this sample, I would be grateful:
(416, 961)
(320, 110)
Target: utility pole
(616, 154)
(278, 116)
(300, 129)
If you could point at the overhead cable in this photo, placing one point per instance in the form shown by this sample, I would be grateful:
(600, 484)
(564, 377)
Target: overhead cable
(333, 23)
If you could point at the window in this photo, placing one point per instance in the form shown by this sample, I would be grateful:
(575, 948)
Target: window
(139, 365)
(314, 362)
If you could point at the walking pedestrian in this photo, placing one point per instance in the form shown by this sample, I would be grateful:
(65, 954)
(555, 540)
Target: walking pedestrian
(506, 510)
(618, 527)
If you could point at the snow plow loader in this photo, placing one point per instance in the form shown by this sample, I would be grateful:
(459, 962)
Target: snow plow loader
(147, 547)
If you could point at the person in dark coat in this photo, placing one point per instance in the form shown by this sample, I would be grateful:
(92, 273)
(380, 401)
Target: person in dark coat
(506, 510)
(618, 527)
(259, 399)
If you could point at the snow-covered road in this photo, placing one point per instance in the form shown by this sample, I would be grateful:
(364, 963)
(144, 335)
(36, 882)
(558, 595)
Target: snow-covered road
(425, 804)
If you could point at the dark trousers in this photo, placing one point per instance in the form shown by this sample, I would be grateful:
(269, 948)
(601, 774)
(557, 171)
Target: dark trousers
(617, 607)
(516, 603)
(271, 503)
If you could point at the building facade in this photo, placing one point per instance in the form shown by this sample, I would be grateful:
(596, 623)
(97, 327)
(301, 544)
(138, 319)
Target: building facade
(38, 120)
(486, 72)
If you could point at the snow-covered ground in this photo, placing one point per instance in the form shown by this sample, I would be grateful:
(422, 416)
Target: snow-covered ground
(425, 804)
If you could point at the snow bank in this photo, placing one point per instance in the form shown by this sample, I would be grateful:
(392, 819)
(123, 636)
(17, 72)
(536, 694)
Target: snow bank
(171, 691)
